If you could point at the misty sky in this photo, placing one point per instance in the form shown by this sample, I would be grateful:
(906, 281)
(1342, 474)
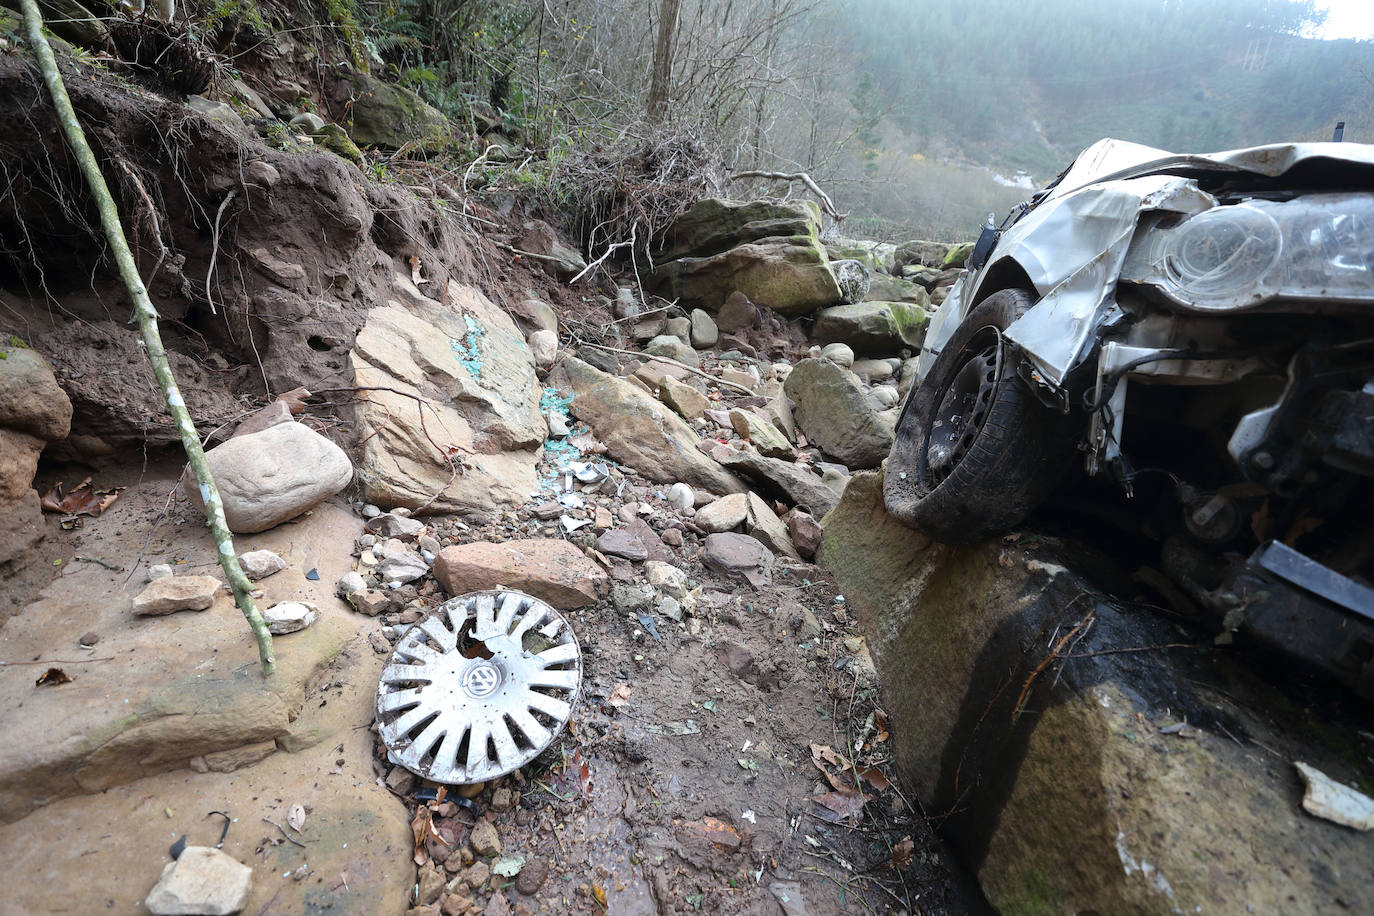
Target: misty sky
(1347, 19)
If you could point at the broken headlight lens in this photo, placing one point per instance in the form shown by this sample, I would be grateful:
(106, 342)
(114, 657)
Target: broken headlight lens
(1320, 246)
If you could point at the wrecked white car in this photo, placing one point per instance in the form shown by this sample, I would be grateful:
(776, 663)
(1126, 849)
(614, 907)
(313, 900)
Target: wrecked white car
(1201, 329)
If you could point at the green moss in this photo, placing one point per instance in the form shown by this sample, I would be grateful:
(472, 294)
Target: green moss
(333, 138)
(237, 12)
(1035, 896)
(345, 19)
(957, 255)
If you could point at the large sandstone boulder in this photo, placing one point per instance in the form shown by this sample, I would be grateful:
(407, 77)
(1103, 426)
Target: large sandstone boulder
(920, 252)
(33, 412)
(836, 415)
(876, 256)
(787, 480)
(172, 689)
(388, 116)
(768, 250)
(641, 431)
(1073, 785)
(470, 365)
(714, 225)
(884, 288)
(551, 570)
(272, 476)
(879, 328)
(171, 713)
(788, 275)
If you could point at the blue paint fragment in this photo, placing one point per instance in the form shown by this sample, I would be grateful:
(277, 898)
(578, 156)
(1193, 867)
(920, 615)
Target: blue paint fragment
(465, 350)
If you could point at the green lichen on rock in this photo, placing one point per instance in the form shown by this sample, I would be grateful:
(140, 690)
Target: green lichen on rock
(333, 138)
(389, 117)
(877, 328)
(957, 255)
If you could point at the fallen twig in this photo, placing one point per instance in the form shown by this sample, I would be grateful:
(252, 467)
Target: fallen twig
(284, 833)
(826, 204)
(99, 562)
(665, 359)
(147, 319)
(214, 248)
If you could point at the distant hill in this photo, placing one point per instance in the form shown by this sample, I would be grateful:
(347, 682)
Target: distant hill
(1015, 86)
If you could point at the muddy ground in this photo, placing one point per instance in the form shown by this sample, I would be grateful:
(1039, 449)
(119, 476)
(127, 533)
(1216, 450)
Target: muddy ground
(704, 770)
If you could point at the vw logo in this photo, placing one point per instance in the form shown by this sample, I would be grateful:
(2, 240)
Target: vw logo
(481, 680)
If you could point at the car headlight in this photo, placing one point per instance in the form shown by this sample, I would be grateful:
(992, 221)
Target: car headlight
(1320, 246)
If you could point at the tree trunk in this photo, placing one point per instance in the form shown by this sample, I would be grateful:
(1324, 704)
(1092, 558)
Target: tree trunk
(662, 76)
(152, 339)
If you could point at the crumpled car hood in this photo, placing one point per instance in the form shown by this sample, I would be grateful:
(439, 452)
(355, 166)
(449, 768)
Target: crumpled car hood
(1072, 244)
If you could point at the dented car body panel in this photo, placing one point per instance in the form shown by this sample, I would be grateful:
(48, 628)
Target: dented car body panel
(1204, 326)
(1072, 242)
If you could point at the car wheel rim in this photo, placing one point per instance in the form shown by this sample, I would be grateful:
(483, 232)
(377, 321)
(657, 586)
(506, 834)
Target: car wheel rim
(960, 415)
(479, 688)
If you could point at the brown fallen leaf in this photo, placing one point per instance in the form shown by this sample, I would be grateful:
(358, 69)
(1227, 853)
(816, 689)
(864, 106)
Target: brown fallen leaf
(295, 400)
(840, 807)
(620, 695)
(586, 443)
(82, 500)
(822, 754)
(901, 853)
(52, 677)
(422, 828)
(875, 778)
(711, 829)
(415, 265)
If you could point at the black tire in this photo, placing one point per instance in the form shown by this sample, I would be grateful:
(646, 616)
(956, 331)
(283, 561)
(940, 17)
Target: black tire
(975, 452)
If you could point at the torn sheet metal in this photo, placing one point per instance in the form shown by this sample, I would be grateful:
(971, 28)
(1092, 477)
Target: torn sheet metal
(1073, 242)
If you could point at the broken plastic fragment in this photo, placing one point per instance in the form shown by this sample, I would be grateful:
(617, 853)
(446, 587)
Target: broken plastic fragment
(571, 524)
(1340, 804)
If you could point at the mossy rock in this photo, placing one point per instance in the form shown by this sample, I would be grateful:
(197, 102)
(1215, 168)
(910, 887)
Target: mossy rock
(389, 117)
(957, 255)
(715, 225)
(791, 276)
(885, 288)
(333, 138)
(872, 328)
(68, 19)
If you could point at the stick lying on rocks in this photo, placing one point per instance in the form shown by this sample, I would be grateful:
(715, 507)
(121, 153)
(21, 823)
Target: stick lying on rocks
(147, 325)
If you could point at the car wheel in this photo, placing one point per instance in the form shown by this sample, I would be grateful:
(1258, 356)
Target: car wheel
(975, 452)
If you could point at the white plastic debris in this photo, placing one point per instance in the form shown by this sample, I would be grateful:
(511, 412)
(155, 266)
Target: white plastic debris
(680, 495)
(571, 524)
(586, 472)
(1340, 804)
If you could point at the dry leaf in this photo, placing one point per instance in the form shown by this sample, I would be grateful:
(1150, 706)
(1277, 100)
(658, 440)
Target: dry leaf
(599, 894)
(295, 400)
(421, 828)
(295, 818)
(620, 695)
(52, 677)
(901, 853)
(80, 501)
(875, 778)
(415, 271)
(840, 806)
(821, 754)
